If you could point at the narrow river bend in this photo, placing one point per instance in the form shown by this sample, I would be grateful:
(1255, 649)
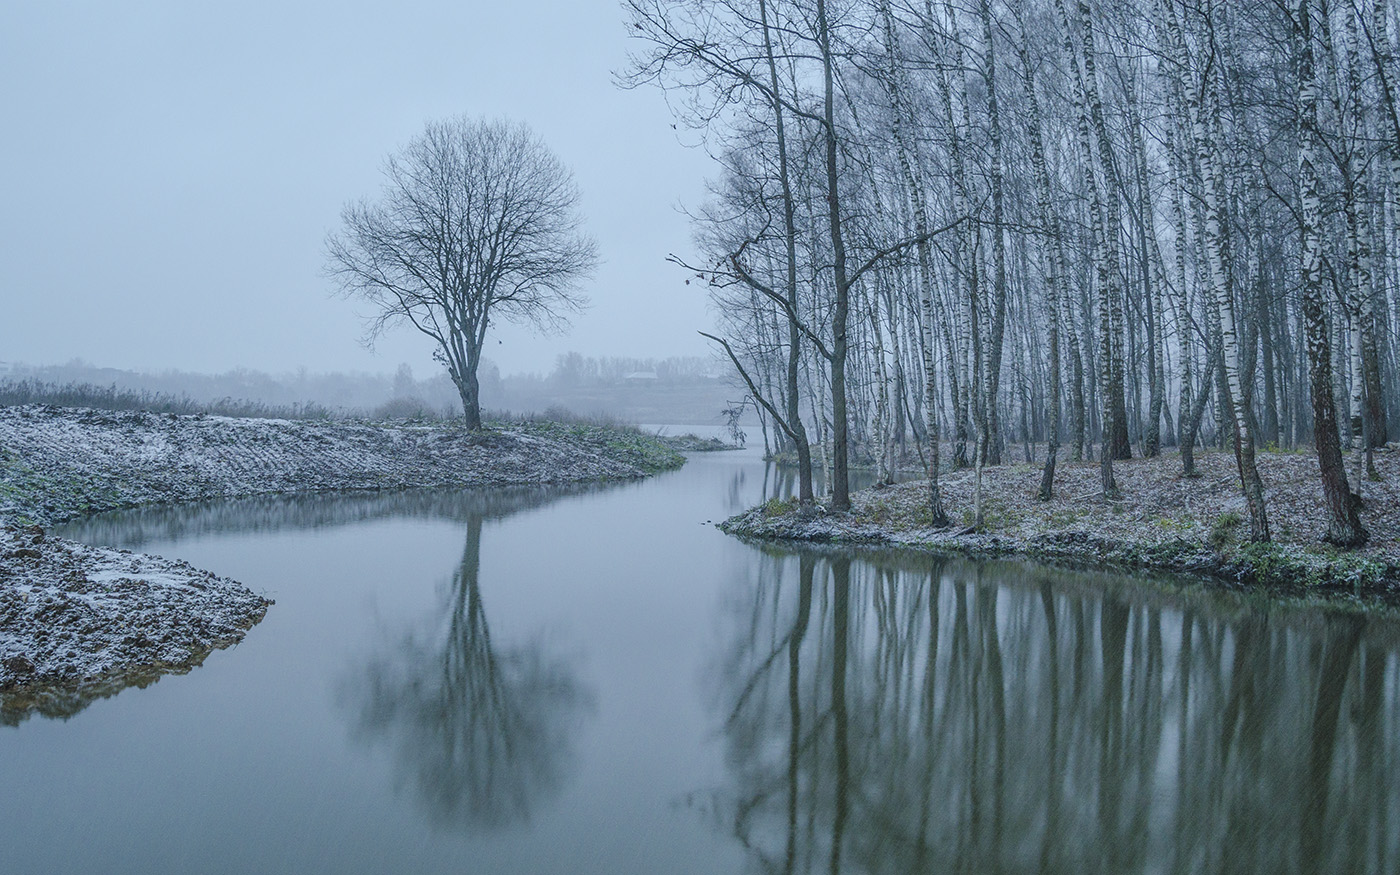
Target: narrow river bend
(597, 681)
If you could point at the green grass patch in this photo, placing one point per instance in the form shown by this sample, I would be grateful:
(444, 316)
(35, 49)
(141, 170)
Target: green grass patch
(1172, 524)
(878, 512)
(1276, 564)
(778, 507)
(1225, 530)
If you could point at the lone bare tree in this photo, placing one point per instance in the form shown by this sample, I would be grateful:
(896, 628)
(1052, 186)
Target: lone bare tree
(477, 220)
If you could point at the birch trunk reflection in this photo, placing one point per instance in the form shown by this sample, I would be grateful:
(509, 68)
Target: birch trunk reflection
(936, 715)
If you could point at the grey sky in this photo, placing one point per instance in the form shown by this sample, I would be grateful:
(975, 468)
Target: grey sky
(169, 170)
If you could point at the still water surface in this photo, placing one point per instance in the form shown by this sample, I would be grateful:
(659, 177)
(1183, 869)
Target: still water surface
(596, 681)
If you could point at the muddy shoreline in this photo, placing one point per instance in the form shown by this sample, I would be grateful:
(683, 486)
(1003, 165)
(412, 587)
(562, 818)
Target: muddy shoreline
(79, 622)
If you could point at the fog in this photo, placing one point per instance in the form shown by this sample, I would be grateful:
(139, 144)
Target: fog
(171, 171)
(677, 390)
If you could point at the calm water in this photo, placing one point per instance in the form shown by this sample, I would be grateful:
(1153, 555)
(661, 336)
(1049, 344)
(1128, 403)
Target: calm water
(596, 681)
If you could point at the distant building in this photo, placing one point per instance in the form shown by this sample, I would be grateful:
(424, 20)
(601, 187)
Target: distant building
(640, 377)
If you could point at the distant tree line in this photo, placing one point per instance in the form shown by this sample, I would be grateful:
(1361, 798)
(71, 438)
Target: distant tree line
(574, 368)
(684, 390)
(1107, 228)
(673, 390)
(238, 393)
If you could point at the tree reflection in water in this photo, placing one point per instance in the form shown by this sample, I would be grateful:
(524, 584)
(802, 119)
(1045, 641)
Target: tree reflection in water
(482, 732)
(273, 513)
(908, 714)
(780, 483)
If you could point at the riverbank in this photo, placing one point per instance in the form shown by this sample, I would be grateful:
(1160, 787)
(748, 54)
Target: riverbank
(1163, 522)
(79, 622)
(57, 464)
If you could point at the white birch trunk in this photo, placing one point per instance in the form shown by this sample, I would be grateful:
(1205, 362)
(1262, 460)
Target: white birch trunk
(1202, 117)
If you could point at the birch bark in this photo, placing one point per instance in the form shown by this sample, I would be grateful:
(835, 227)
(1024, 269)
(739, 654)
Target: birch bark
(1104, 270)
(1052, 249)
(1344, 525)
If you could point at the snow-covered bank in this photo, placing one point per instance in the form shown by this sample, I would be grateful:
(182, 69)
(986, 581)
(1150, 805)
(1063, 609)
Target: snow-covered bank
(1162, 522)
(59, 463)
(80, 622)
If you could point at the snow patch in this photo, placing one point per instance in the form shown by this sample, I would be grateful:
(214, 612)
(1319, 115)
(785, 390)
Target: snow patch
(80, 622)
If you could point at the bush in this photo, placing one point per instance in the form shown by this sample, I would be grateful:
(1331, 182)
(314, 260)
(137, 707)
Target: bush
(559, 415)
(407, 408)
(779, 506)
(88, 395)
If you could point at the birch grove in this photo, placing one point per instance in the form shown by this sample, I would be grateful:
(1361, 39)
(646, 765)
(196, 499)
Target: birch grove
(966, 232)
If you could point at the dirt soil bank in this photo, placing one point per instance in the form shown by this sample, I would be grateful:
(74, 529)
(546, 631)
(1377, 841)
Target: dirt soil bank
(79, 622)
(1162, 522)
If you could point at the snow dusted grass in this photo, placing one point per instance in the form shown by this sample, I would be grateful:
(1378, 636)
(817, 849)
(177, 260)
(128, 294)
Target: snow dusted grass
(1163, 521)
(60, 463)
(80, 622)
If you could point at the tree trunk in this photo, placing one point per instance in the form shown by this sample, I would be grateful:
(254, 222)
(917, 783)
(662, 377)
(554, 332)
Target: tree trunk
(1344, 524)
(1151, 287)
(803, 445)
(962, 382)
(937, 515)
(840, 475)
(1116, 425)
(1053, 259)
(1077, 424)
(1358, 206)
(470, 392)
(1189, 413)
(1105, 270)
(1203, 116)
(992, 373)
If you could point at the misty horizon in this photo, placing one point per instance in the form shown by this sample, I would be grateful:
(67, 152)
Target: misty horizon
(184, 165)
(677, 390)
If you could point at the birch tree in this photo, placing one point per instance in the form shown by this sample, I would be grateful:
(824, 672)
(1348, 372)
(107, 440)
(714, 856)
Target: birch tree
(1134, 242)
(1343, 525)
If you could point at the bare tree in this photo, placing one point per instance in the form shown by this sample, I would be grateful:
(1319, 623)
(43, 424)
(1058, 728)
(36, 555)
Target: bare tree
(477, 220)
(1343, 522)
(1147, 200)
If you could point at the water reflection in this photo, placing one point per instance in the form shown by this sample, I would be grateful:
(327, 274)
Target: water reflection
(910, 714)
(481, 731)
(780, 482)
(63, 701)
(133, 528)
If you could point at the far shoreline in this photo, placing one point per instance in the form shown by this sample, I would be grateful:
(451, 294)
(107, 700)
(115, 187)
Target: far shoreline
(1164, 523)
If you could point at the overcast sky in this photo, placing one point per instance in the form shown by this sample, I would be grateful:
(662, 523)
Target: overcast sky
(169, 171)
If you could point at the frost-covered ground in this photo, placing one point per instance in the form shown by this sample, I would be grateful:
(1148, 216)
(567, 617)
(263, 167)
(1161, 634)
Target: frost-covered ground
(60, 463)
(79, 622)
(1162, 521)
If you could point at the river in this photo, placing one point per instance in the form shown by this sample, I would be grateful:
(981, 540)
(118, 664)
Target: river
(596, 680)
